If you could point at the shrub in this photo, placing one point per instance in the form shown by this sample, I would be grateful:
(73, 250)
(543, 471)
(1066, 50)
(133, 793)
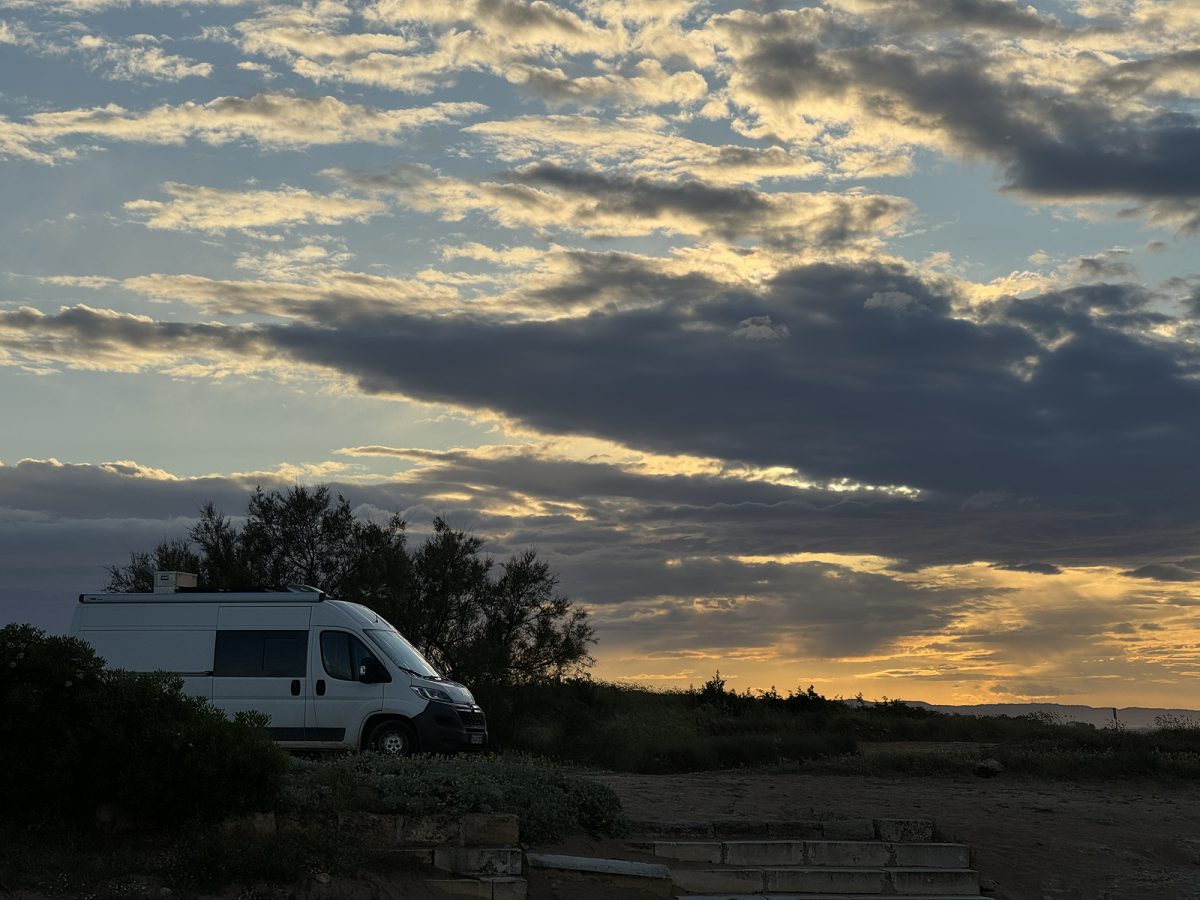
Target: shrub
(632, 729)
(550, 802)
(78, 737)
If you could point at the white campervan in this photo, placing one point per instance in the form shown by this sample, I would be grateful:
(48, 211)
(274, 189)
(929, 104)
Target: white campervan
(330, 674)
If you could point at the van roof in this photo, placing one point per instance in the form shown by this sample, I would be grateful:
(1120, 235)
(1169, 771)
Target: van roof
(299, 594)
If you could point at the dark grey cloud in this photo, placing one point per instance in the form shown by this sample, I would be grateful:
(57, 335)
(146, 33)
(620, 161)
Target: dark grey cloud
(732, 211)
(1035, 568)
(548, 197)
(820, 610)
(1112, 264)
(1049, 429)
(1165, 572)
(616, 279)
(1050, 141)
(956, 16)
(919, 398)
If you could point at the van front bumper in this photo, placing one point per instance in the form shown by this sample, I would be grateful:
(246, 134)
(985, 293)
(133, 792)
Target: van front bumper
(446, 728)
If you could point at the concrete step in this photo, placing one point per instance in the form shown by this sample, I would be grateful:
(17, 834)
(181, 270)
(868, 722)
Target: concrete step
(479, 888)
(555, 877)
(907, 881)
(896, 830)
(820, 897)
(813, 853)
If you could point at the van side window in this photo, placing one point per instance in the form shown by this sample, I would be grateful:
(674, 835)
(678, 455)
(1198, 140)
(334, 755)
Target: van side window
(342, 654)
(259, 654)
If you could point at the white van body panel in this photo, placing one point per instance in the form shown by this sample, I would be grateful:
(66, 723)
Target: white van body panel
(294, 656)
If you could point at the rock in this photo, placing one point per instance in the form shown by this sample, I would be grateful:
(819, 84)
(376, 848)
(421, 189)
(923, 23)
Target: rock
(322, 878)
(988, 886)
(165, 892)
(989, 768)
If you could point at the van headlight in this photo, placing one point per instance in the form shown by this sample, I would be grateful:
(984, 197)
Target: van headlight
(432, 693)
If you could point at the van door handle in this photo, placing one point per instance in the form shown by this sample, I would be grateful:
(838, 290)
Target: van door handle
(295, 687)
(320, 687)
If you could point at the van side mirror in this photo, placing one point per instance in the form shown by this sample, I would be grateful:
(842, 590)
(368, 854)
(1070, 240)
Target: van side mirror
(372, 672)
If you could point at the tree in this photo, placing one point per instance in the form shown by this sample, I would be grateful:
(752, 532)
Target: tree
(475, 619)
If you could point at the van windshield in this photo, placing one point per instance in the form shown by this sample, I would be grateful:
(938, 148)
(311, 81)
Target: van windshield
(401, 652)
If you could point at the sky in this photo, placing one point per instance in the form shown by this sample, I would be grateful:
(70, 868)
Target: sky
(838, 342)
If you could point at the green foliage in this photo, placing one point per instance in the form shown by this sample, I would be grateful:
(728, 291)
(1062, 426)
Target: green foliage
(478, 620)
(550, 802)
(78, 738)
(629, 728)
(632, 729)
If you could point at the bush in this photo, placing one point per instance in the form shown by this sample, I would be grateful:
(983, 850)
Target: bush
(632, 729)
(550, 802)
(78, 737)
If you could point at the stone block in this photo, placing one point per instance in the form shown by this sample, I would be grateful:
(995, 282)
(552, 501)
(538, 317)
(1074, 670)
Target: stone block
(931, 882)
(478, 860)
(904, 830)
(688, 851)
(680, 828)
(428, 831)
(764, 853)
(460, 887)
(738, 828)
(847, 853)
(413, 856)
(489, 829)
(848, 829)
(825, 881)
(509, 888)
(797, 829)
(932, 856)
(718, 881)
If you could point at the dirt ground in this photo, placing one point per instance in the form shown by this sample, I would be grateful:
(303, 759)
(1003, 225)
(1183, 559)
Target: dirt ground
(1037, 840)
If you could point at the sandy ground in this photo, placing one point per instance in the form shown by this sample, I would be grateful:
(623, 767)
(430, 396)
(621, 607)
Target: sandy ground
(1037, 840)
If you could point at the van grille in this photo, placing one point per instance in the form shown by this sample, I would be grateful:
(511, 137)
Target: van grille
(473, 720)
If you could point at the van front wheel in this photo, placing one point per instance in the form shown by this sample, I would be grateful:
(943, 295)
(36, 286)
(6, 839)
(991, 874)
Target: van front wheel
(393, 738)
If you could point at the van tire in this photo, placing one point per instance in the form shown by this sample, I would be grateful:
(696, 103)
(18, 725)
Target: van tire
(393, 738)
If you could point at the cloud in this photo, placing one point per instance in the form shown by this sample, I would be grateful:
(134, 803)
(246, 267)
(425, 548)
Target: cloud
(1057, 130)
(1110, 264)
(760, 328)
(213, 209)
(1165, 572)
(645, 144)
(80, 337)
(15, 34)
(953, 406)
(326, 297)
(271, 120)
(136, 60)
(89, 7)
(1003, 17)
(650, 86)
(421, 45)
(547, 196)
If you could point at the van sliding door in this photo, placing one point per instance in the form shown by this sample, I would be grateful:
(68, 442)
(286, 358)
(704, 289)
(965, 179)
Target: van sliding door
(261, 663)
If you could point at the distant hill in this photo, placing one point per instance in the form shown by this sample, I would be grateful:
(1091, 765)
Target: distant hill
(1129, 716)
